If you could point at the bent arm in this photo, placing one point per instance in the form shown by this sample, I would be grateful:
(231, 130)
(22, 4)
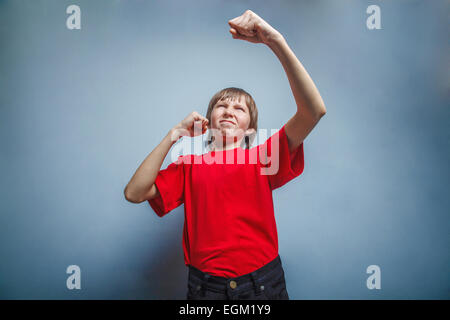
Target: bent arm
(310, 106)
(142, 185)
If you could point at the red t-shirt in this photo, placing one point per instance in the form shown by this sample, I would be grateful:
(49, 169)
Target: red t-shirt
(229, 227)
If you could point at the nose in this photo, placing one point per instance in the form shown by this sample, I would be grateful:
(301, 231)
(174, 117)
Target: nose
(228, 112)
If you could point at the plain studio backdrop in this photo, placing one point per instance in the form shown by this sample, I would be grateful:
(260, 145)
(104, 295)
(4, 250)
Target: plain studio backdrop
(80, 110)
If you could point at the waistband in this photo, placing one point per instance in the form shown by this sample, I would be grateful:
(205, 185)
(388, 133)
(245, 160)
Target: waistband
(222, 283)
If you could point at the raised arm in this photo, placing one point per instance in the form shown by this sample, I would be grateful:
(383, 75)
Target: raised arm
(310, 106)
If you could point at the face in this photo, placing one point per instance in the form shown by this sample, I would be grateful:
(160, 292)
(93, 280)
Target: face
(231, 118)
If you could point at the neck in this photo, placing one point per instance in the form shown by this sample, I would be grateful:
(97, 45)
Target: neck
(226, 145)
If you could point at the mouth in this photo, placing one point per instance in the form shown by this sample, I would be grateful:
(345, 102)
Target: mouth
(227, 121)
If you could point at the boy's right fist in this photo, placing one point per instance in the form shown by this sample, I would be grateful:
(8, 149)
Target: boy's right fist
(193, 125)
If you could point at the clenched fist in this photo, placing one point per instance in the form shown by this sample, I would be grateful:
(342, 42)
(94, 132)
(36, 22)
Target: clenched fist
(253, 28)
(193, 125)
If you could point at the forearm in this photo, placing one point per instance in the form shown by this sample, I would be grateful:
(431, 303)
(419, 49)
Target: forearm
(306, 95)
(145, 176)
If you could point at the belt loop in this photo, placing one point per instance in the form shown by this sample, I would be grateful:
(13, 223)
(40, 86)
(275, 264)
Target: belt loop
(258, 288)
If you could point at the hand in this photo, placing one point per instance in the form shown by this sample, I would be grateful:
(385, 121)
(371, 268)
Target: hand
(253, 28)
(193, 125)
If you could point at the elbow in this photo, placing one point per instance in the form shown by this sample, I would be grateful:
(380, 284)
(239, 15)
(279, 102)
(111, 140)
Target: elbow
(129, 197)
(315, 111)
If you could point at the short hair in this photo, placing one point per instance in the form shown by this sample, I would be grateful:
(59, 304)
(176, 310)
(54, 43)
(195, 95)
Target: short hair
(233, 92)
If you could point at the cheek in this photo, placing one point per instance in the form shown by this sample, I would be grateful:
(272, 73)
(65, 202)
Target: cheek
(244, 120)
(215, 116)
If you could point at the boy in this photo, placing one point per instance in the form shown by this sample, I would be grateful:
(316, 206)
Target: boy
(229, 237)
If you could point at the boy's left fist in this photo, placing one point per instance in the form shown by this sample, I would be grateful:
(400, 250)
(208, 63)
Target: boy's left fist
(253, 28)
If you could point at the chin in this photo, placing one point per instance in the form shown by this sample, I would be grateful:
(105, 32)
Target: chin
(227, 131)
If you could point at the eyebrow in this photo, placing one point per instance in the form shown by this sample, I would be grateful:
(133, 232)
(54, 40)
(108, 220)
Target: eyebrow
(224, 102)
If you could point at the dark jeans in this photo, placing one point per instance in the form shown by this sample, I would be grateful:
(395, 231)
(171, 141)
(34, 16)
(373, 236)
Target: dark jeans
(266, 283)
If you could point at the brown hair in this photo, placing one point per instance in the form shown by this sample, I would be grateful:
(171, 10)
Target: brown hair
(233, 92)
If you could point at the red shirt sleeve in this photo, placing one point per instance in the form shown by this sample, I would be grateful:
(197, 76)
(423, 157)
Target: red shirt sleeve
(170, 184)
(278, 163)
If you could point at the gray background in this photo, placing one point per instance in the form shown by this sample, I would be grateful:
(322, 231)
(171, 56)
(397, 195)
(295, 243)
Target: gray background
(81, 109)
